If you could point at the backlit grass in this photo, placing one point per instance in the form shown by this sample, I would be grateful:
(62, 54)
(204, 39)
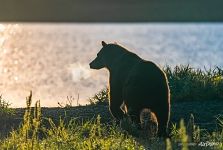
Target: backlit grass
(91, 134)
(94, 135)
(187, 84)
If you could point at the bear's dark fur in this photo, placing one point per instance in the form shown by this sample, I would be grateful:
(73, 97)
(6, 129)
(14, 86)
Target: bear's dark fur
(135, 82)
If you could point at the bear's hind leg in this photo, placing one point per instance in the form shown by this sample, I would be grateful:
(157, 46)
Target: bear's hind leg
(163, 124)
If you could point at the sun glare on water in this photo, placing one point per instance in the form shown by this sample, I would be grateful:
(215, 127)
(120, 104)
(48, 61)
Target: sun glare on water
(53, 60)
(2, 39)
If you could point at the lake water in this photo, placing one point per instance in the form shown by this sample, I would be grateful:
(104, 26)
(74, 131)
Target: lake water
(52, 59)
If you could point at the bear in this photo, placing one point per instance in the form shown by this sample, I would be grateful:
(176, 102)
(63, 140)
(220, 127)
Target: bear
(136, 82)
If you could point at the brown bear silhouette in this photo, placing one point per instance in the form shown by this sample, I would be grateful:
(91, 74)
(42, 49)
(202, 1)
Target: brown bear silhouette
(135, 82)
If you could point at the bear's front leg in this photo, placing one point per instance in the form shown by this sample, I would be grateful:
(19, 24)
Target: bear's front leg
(116, 111)
(114, 105)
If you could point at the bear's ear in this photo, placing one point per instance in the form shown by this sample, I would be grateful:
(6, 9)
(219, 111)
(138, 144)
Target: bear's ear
(103, 43)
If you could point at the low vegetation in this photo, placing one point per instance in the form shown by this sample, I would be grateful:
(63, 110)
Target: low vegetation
(40, 132)
(94, 135)
(5, 110)
(6, 114)
(91, 134)
(187, 83)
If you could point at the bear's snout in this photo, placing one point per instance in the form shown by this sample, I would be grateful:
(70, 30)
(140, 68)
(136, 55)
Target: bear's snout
(96, 64)
(91, 66)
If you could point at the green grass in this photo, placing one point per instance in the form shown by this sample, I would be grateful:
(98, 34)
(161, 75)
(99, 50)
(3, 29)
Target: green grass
(6, 114)
(40, 132)
(5, 110)
(187, 83)
(94, 135)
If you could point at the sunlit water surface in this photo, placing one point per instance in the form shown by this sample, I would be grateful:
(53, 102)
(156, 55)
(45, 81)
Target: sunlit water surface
(52, 59)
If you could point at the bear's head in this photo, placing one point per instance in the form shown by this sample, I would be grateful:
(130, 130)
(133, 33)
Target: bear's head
(105, 57)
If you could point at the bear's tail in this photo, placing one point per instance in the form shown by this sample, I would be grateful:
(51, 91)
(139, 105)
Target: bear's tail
(149, 123)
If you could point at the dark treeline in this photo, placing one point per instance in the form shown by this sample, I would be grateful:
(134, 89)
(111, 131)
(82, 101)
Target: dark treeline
(111, 10)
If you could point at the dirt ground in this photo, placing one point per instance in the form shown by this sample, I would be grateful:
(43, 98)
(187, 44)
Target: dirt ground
(205, 114)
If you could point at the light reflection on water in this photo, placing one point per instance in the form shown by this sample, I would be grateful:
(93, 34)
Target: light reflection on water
(52, 59)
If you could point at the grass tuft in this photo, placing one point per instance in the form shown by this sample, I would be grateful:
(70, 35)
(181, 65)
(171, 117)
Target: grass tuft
(188, 84)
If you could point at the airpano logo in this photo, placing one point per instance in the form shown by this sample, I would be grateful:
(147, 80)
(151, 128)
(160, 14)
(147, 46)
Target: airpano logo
(210, 144)
(203, 144)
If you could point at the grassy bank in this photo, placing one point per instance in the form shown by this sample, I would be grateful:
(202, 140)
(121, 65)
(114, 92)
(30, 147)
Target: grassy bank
(189, 84)
(92, 127)
(62, 130)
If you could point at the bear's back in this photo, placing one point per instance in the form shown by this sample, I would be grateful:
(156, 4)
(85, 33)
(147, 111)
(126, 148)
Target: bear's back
(144, 84)
(145, 72)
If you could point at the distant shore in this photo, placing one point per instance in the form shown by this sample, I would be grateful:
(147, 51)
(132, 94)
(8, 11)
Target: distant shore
(111, 11)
